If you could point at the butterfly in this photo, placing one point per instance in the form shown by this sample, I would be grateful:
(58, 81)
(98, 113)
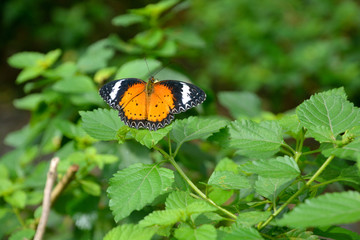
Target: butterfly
(151, 104)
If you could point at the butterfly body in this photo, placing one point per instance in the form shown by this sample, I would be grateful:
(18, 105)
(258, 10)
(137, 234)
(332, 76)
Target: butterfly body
(151, 104)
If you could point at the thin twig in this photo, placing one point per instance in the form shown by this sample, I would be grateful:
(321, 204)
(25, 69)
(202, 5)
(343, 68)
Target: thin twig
(51, 176)
(70, 173)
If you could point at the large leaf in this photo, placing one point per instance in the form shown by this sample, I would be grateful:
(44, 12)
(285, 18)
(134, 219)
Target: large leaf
(136, 186)
(25, 59)
(195, 128)
(252, 218)
(335, 232)
(75, 84)
(150, 138)
(163, 218)
(238, 232)
(271, 187)
(228, 180)
(101, 124)
(129, 231)
(325, 210)
(138, 68)
(241, 104)
(327, 115)
(204, 232)
(256, 139)
(280, 167)
(178, 199)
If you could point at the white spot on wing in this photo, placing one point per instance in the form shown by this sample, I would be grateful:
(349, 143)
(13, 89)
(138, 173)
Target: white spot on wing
(185, 93)
(115, 90)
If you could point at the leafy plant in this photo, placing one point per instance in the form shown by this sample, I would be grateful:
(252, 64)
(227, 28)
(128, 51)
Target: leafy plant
(261, 176)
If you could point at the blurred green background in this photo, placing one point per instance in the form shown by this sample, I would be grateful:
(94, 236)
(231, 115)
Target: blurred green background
(283, 51)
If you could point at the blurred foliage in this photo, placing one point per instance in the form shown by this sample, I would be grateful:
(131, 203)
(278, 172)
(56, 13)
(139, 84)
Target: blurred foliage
(283, 50)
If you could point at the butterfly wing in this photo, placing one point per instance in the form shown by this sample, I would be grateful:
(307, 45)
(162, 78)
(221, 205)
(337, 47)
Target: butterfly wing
(184, 95)
(129, 97)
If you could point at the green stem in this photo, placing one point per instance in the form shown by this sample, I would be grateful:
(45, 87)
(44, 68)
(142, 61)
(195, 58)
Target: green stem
(192, 185)
(17, 214)
(284, 145)
(311, 152)
(198, 191)
(327, 182)
(312, 179)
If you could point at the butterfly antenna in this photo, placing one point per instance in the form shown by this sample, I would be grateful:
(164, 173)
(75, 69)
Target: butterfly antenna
(147, 65)
(165, 66)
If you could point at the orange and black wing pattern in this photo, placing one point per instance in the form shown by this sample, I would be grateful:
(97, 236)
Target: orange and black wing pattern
(151, 107)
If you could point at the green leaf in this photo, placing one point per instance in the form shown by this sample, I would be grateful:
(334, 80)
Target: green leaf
(17, 199)
(29, 102)
(155, 9)
(23, 234)
(195, 128)
(129, 231)
(96, 56)
(149, 138)
(326, 116)
(350, 151)
(204, 232)
(75, 84)
(51, 57)
(199, 206)
(163, 218)
(29, 73)
(252, 218)
(149, 39)
(256, 139)
(178, 200)
(226, 164)
(90, 187)
(126, 20)
(101, 124)
(220, 196)
(280, 167)
(325, 210)
(241, 104)
(271, 187)
(297, 234)
(138, 69)
(25, 59)
(239, 232)
(335, 232)
(134, 187)
(228, 180)
(103, 74)
(291, 124)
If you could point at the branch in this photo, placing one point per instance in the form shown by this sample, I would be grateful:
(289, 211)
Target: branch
(62, 184)
(51, 176)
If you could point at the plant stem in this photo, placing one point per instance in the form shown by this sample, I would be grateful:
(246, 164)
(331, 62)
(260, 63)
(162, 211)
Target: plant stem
(198, 191)
(17, 214)
(284, 145)
(312, 179)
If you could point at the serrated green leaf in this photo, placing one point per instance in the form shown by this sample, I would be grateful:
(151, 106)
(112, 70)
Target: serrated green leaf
(220, 196)
(163, 218)
(23, 234)
(291, 124)
(239, 232)
(134, 187)
(178, 200)
(271, 187)
(228, 180)
(280, 167)
(103, 74)
(208, 218)
(326, 116)
(29, 102)
(75, 84)
(256, 139)
(29, 73)
(101, 124)
(325, 210)
(241, 104)
(252, 218)
(150, 38)
(226, 164)
(350, 151)
(25, 59)
(155, 9)
(199, 206)
(90, 187)
(129, 231)
(195, 128)
(127, 20)
(149, 138)
(138, 69)
(204, 232)
(334, 232)
(297, 234)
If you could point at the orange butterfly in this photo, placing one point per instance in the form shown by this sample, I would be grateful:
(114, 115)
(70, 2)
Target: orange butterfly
(150, 105)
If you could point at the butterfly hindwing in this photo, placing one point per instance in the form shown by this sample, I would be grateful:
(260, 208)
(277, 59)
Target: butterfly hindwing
(185, 95)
